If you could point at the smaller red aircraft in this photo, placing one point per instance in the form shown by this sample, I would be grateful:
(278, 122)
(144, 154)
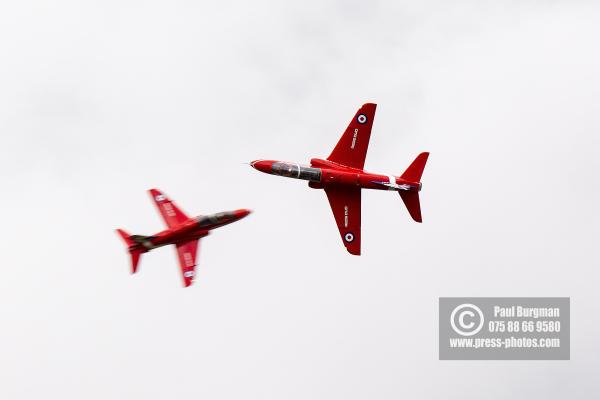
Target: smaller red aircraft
(183, 232)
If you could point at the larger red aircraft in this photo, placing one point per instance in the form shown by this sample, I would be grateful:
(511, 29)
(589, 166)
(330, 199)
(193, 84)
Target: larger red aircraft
(342, 177)
(183, 232)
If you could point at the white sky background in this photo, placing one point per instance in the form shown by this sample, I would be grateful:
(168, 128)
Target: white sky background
(100, 101)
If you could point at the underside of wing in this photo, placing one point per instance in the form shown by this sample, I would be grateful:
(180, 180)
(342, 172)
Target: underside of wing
(345, 204)
(171, 214)
(187, 260)
(351, 149)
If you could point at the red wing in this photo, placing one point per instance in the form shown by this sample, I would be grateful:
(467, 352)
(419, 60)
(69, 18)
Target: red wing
(345, 204)
(187, 260)
(351, 150)
(171, 214)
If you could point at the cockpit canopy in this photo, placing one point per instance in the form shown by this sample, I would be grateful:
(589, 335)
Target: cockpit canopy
(217, 218)
(286, 169)
(295, 171)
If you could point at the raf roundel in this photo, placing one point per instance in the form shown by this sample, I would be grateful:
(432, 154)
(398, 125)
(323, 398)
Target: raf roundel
(361, 119)
(349, 237)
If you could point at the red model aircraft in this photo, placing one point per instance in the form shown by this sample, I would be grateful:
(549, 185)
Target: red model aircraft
(183, 232)
(342, 177)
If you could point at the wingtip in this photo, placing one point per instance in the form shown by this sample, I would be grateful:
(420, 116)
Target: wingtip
(416, 215)
(353, 252)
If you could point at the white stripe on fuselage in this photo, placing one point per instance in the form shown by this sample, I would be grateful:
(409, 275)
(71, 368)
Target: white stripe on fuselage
(392, 182)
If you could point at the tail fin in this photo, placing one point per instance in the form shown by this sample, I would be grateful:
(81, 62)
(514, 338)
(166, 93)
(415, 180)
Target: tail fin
(411, 201)
(413, 174)
(135, 253)
(415, 170)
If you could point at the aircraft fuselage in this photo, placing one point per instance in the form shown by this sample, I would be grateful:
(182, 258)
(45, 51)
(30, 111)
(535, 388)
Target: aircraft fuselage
(322, 173)
(192, 229)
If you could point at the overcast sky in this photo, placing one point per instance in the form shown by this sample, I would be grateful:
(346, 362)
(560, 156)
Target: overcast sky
(100, 101)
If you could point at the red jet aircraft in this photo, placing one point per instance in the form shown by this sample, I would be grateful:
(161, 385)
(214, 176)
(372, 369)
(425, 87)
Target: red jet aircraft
(342, 177)
(183, 232)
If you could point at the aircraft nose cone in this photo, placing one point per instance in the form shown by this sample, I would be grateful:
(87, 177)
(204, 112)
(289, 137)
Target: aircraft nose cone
(242, 212)
(262, 165)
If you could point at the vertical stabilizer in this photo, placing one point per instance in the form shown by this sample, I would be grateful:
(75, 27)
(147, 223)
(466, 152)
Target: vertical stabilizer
(415, 170)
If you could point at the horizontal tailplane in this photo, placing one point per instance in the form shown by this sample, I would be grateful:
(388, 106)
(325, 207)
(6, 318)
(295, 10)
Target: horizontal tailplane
(411, 201)
(134, 252)
(413, 174)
